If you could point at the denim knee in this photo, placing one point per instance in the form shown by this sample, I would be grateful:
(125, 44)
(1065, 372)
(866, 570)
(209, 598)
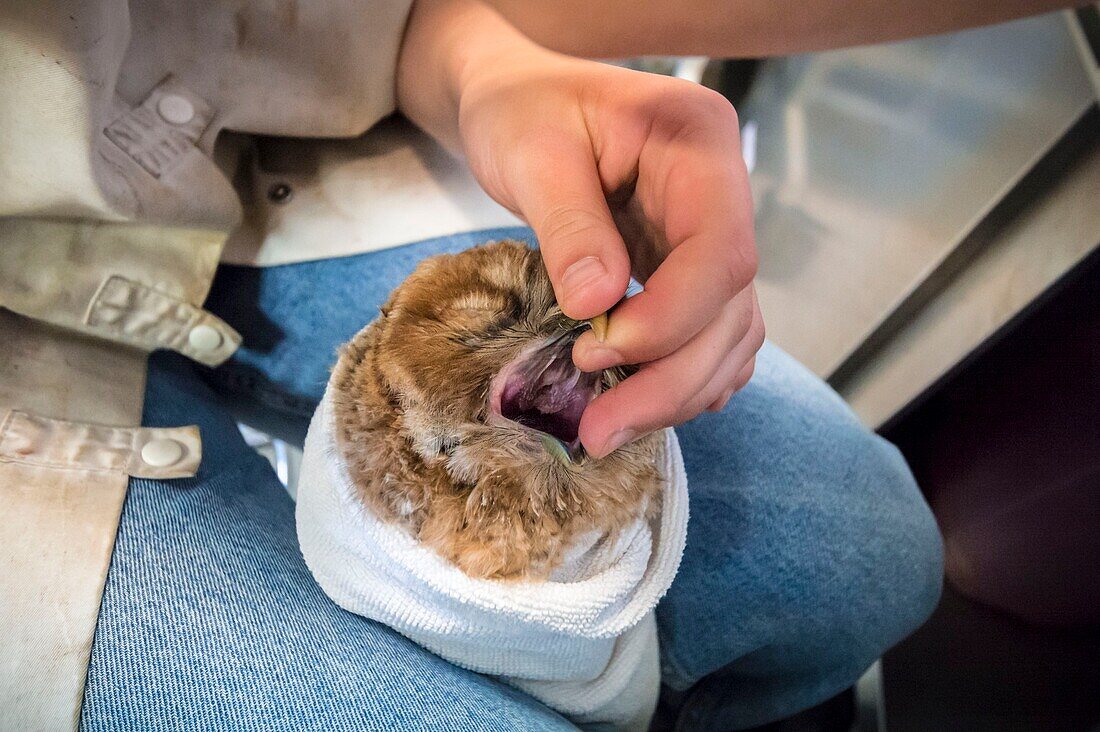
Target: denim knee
(837, 605)
(882, 576)
(880, 580)
(806, 559)
(888, 563)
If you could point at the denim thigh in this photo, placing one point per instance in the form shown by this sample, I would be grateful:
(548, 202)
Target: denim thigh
(810, 548)
(211, 620)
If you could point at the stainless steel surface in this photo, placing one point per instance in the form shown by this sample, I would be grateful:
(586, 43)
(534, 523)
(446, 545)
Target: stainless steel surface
(870, 701)
(285, 459)
(1083, 24)
(1025, 252)
(872, 164)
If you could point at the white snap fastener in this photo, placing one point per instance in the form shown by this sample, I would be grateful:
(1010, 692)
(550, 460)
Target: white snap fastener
(161, 453)
(204, 338)
(175, 109)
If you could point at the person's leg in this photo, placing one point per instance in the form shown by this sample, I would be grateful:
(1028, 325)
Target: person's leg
(211, 621)
(810, 552)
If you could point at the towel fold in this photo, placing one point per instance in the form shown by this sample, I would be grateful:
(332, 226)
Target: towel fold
(583, 642)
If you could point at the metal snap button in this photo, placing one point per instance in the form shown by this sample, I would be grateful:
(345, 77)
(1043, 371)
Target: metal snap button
(280, 193)
(175, 109)
(204, 338)
(162, 452)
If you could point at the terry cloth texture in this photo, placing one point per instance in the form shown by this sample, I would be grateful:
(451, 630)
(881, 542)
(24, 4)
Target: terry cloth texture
(583, 642)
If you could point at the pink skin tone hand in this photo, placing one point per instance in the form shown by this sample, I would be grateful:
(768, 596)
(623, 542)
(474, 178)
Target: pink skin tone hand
(585, 153)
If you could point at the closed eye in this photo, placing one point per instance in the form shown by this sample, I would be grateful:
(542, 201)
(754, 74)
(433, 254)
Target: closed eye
(481, 312)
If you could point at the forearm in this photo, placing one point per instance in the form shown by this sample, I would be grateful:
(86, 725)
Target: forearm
(746, 28)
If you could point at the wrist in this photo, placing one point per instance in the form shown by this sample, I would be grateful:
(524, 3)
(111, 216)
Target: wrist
(450, 46)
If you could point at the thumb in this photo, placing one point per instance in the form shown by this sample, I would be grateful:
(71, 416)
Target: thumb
(562, 200)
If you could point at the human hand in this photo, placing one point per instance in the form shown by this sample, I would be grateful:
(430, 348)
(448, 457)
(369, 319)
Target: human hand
(618, 173)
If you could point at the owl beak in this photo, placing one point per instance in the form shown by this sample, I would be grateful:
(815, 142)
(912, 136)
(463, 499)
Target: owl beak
(543, 390)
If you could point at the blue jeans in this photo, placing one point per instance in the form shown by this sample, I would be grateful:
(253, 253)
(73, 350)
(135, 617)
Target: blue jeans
(810, 549)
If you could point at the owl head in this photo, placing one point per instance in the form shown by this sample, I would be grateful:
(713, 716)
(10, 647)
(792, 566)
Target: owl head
(458, 412)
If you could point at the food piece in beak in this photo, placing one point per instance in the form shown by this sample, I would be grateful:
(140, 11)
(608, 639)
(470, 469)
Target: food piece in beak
(557, 449)
(599, 327)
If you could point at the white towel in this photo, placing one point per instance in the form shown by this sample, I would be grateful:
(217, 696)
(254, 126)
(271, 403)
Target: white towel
(583, 642)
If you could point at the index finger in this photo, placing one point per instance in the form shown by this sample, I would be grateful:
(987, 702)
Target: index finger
(560, 195)
(713, 259)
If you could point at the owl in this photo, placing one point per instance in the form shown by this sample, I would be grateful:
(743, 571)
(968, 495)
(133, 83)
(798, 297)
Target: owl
(457, 414)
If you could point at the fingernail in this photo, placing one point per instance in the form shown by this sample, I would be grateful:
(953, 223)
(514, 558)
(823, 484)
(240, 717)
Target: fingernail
(581, 273)
(597, 358)
(617, 440)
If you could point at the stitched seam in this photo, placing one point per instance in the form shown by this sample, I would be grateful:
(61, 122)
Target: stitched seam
(38, 463)
(96, 297)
